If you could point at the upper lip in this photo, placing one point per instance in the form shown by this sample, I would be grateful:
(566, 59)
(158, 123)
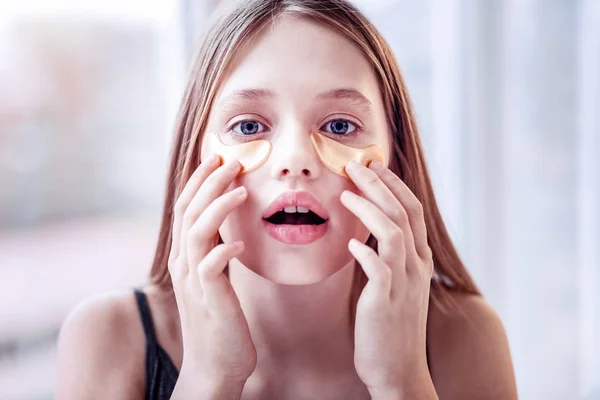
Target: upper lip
(298, 199)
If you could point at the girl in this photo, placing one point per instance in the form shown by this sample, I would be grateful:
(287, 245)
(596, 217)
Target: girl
(301, 253)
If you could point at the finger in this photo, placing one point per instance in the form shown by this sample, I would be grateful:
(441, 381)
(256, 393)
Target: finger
(412, 205)
(214, 186)
(218, 294)
(198, 238)
(390, 238)
(379, 274)
(193, 184)
(375, 190)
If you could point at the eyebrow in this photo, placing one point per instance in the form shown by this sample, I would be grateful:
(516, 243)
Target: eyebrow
(349, 94)
(352, 95)
(249, 95)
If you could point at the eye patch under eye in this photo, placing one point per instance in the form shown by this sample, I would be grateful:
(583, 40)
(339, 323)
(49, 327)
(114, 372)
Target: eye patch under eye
(251, 155)
(333, 154)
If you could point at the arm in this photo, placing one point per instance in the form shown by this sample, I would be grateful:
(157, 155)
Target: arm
(101, 355)
(469, 353)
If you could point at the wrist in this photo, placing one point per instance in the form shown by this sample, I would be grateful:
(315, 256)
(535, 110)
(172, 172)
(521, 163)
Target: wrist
(222, 389)
(414, 388)
(193, 384)
(397, 393)
(389, 393)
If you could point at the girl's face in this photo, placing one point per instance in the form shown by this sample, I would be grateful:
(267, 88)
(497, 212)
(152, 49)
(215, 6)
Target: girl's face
(297, 77)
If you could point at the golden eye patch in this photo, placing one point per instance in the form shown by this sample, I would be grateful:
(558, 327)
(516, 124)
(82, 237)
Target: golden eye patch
(333, 154)
(251, 155)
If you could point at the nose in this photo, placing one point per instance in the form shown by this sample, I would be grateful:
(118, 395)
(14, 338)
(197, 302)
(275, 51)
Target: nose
(293, 155)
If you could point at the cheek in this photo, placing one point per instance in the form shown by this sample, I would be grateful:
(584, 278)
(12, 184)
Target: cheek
(347, 224)
(241, 223)
(350, 226)
(241, 218)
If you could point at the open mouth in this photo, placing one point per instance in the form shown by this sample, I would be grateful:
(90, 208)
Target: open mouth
(295, 216)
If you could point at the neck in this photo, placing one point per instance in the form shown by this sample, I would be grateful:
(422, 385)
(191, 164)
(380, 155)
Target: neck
(297, 324)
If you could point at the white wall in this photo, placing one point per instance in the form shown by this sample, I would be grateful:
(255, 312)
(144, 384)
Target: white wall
(507, 95)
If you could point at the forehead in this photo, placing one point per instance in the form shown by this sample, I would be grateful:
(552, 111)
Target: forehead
(296, 55)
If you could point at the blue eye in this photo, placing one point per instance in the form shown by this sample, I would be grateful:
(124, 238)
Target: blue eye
(340, 127)
(337, 127)
(248, 127)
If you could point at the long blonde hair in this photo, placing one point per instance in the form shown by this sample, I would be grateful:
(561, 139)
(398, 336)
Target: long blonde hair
(235, 26)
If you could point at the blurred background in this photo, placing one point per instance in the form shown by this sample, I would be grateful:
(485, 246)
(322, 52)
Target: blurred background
(507, 94)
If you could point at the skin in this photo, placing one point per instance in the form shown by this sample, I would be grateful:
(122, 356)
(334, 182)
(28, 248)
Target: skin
(275, 280)
(295, 298)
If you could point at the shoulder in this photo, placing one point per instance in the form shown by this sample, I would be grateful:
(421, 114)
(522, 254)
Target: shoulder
(101, 350)
(469, 352)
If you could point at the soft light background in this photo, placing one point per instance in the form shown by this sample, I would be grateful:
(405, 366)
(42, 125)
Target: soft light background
(507, 95)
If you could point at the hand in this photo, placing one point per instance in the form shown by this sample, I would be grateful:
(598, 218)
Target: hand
(391, 313)
(215, 334)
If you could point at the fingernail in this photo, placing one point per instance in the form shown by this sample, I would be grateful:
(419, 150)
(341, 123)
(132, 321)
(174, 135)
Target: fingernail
(234, 164)
(353, 243)
(353, 165)
(212, 159)
(240, 191)
(375, 166)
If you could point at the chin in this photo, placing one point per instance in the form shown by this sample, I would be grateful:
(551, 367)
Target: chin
(299, 268)
(287, 264)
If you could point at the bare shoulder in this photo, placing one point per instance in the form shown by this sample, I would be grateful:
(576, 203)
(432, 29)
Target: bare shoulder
(469, 353)
(101, 350)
